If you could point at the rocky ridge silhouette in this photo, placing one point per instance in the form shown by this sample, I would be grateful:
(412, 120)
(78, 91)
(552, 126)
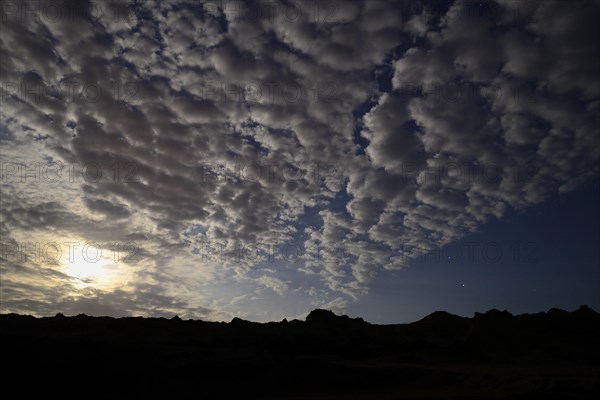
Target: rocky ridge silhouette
(551, 355)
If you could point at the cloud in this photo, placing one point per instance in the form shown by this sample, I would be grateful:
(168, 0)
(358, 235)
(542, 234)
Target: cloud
(276, 128)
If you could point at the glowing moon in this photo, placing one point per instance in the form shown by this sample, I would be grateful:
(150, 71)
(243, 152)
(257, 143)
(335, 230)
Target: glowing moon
(86, 270)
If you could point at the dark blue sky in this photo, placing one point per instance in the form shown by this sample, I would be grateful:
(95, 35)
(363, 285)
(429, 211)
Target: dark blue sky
(558, 265)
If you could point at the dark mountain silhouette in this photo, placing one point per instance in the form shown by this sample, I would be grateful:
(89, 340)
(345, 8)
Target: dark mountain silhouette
(494, 355)
(327, 317)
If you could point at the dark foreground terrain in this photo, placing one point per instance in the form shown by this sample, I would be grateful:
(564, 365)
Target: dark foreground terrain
(553, 355)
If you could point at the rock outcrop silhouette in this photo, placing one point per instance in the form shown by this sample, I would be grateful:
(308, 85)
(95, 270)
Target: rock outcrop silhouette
(494, 355)
(328, 317)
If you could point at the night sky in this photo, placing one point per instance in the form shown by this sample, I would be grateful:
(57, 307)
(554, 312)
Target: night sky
(382, 159)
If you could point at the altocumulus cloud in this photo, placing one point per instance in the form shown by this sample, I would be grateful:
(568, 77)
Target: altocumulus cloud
(289, 149)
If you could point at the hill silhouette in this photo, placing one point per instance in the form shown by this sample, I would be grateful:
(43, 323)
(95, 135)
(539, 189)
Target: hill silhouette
(494, 355)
